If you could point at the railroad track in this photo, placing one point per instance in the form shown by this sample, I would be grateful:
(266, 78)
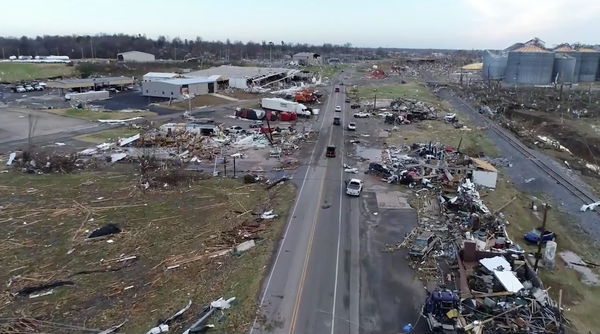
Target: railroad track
(523, 149)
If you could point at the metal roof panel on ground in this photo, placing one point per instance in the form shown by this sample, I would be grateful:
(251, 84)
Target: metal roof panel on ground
(482, 164)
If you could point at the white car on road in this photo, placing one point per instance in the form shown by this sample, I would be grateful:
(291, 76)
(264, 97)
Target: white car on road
(338, 108)
(352, 126)
(361, 115)
(354, 187)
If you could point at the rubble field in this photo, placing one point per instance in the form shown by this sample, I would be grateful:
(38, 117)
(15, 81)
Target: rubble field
(581, 301)
(565, 124)
(93, 249)
(422, 152)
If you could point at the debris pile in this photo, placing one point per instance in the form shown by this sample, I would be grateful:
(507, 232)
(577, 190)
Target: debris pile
(461, 245)
(486, 280)
(411, 110)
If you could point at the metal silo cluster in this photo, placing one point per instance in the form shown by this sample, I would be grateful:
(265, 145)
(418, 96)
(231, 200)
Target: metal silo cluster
(531, 63)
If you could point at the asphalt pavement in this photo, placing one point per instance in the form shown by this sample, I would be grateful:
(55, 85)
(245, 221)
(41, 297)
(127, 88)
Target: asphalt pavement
(329, 273)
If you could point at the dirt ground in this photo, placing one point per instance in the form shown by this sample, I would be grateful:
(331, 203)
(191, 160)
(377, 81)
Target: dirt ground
(45, 221)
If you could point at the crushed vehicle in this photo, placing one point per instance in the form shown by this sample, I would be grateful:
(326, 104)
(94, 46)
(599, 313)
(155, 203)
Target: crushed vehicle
(534, 235)
(424, 243)
(440, 311)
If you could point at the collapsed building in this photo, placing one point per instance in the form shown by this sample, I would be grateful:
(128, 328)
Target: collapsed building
(532, 63)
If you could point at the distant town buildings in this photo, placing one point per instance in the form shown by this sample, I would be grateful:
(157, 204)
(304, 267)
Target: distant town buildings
(307, 58)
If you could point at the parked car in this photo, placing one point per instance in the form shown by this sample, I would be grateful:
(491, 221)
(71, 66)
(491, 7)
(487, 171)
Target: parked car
(38, 88)
(256, 125)
(347, 100)
(20, 89)
(338, 108)
(533, 236)
(235, 129)
(451, 118)
(354, 187)
(29, 88)
(355, 105)
(352, 126)
(361, 115)
(424, 243)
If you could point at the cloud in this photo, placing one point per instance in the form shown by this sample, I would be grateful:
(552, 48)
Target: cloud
(514, 20)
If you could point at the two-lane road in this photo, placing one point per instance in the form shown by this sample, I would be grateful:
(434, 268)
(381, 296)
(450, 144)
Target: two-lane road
(313, 285)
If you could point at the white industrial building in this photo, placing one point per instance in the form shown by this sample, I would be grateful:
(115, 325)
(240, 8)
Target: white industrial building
(135, 56)
(246, 77)
(180, 87)
(307, 58)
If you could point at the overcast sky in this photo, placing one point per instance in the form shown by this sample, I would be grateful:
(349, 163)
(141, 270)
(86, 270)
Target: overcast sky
(456, 24)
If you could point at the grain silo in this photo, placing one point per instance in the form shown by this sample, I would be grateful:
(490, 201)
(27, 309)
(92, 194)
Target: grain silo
(589, 64)
(564, 68)
(494, 64)
(530, 64)
(569, 51)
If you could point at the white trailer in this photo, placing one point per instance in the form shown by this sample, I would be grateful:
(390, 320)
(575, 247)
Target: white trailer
(88, 96)
(278, 104)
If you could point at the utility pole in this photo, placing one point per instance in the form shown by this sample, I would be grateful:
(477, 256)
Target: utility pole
(82, 57)
(374, 102)
(538, 255)
(3, 54)
(270, 53)
(225, 166)
(234, 166)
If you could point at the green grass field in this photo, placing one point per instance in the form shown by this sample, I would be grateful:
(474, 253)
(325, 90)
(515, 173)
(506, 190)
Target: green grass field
(91, 115)
(15, 72)
(410, 90)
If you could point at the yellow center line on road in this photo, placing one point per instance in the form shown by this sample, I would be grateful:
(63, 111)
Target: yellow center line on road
(309, 246)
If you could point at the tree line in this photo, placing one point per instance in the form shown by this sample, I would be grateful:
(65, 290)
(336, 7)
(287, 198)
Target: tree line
(107, 46)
